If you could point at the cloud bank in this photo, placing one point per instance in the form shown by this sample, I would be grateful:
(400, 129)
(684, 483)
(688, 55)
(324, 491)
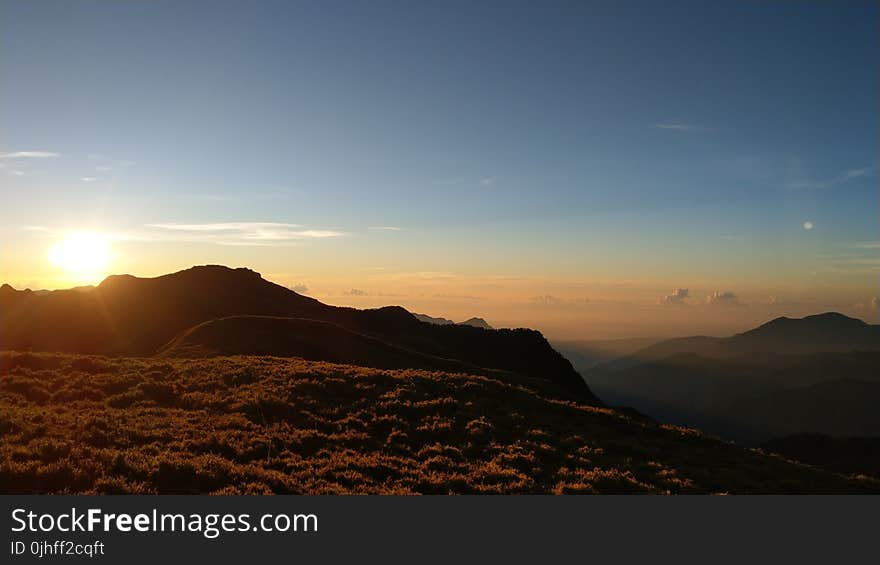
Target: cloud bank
(678, 296)
(725, 298)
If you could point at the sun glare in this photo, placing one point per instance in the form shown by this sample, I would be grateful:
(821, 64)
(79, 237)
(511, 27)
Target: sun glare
(83, 256)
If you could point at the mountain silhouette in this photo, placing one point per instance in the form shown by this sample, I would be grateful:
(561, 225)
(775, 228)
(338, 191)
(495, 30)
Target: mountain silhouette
(474, 322)
(814, 375)
(828, 332)
(477, 323)
(127, 315)
(432, 320)
(297, 337)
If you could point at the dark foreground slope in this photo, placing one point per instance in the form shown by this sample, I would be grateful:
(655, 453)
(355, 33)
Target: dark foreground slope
(270, 425)
(131, 316)
(851, 455)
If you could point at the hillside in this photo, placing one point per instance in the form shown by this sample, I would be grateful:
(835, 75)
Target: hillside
(851, 455)
(84, 424)
(296, 337)
(130, 316)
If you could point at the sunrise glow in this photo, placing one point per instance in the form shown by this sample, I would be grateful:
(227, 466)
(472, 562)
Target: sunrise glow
(83, 256)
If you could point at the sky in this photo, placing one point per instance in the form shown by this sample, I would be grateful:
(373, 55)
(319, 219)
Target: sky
(590, 169)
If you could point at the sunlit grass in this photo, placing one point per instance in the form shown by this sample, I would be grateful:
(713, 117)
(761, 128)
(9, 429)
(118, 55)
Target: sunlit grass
(270, 425)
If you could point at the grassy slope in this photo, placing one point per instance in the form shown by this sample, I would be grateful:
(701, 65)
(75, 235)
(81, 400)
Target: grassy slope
(263, 424)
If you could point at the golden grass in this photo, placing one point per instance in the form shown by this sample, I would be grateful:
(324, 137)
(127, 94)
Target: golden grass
(260, 425)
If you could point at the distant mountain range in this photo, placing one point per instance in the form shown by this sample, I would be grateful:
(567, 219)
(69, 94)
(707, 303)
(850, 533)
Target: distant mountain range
(829, 332)
(475, 322)
(196, 311)
(586, 354)
(815, 375)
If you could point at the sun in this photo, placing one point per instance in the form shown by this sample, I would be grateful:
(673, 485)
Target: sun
(83, 255)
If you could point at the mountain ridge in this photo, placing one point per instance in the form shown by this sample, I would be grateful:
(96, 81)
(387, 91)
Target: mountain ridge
(134, 316)
(826, 332)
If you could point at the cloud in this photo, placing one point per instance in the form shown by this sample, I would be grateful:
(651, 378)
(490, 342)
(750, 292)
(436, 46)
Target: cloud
(300, 288)
(725, 298)
(858, 173)
(488, 181)
(386, 228)
(868, 245)
(12, 171)
(231, 233)
(88, 179)
(808, 225)
(356, 292)
(679, 126)
(678, 296)
(548, 299)
(244, 233)
(28, 155)
(803, 182)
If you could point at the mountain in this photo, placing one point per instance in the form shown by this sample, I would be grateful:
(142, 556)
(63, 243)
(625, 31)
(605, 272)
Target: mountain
(296, 337)
(474, 322)
(126, 315)
(433, 320)
(826, 332)
(815, 375)
(477, 323)
(586, 354)
(261, 425)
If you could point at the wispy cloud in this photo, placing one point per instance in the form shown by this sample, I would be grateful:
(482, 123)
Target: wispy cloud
(553, 300)
(15, 159)
(223, 233)
(679, 126)
(224, 226)
(386, 228)
(858, 173)
(15, 172)
(867, 245)
(28, 155)
(11, 171)
(245, 233)
(802, 182)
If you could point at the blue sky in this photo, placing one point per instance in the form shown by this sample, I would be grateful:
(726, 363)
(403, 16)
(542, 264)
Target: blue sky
(676, 143)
